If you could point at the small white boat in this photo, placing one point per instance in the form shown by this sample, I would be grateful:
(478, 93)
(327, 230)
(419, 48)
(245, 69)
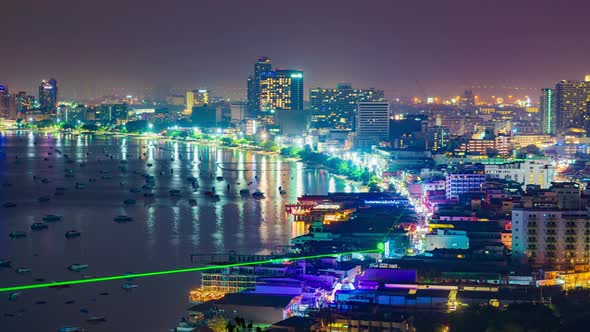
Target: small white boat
(70, 329)
(13, 296)
(22, 270)
(129, 285)
(78, 267)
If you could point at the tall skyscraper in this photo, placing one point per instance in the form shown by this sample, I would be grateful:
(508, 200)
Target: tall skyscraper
(337, 108)
(48, 95)
(270, 90)
(548, 111)
(281, 90)
(571, 102)
(3, 101)
(263, 65)
(372, 124)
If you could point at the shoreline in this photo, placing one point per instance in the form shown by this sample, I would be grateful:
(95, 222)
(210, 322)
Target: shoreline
(358, 184)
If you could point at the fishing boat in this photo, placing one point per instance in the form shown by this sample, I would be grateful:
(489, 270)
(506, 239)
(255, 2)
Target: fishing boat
(17, 235)
(13, 296)
(244, 192)
(39, 226)
(129, 201)
(174, 192)
(72, 234)
(96, 319)
(128, 286)
(77, 267)
(22, 270)
(122, 219)
(4, 262)
(70, 329)
(257, 194)
(52, 217)
(80, 185)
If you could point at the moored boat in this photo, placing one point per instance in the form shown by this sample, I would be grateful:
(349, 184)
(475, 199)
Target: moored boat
(258, 194)
(122, 218)
(77, 267)
(52, 217)
(72, 234)
(39, 226)
(17, 235)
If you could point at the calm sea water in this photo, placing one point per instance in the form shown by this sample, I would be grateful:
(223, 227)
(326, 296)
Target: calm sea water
(164, 232)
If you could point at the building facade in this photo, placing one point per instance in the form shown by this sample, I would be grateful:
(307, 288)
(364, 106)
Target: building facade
(48, 90)
(551, 238)
(571, 102)
(281, 90)
(372, 123)
(464, 181)
(537, 171)
(261, 66)
(547, 110)
(337, 108)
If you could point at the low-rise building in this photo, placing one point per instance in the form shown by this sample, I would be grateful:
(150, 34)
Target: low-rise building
(446, 239)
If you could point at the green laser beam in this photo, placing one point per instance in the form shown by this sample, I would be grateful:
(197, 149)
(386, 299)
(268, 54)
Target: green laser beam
(166, 272)
(394, 223)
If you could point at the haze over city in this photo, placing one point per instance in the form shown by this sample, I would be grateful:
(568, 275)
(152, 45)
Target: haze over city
(447, 46)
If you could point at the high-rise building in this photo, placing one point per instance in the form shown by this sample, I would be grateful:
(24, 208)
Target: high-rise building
(467, 102)
(48, 95)
(270, 90)
(372, 124)
(11, 107)
(281, 89)
(3, 101)
(196, 98)
(263, 65)
(336, 108)
(571, 104)
(114, 113)
(24, 102)
(548, 111)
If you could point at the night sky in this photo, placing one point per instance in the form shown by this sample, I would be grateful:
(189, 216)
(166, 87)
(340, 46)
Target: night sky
(446, 45)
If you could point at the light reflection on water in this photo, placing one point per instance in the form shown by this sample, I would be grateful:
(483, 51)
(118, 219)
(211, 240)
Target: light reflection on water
(164, 232)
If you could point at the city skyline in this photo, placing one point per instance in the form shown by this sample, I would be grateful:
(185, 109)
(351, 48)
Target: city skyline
(405, 49)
